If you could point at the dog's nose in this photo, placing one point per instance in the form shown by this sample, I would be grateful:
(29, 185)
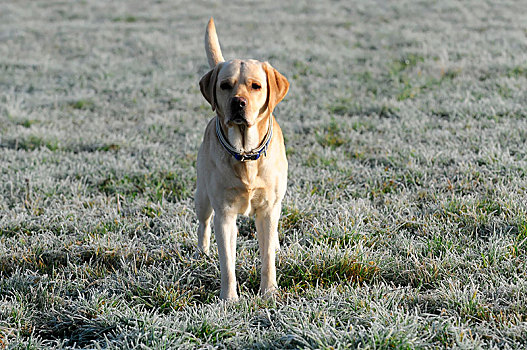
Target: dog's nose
(238, 103)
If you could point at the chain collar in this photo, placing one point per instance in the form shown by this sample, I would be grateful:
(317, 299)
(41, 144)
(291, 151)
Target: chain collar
(245, 156)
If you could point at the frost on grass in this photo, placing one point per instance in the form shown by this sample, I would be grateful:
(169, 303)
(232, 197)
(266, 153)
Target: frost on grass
(405, 220)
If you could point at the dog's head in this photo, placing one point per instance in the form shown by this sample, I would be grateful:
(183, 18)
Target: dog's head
(242, 91)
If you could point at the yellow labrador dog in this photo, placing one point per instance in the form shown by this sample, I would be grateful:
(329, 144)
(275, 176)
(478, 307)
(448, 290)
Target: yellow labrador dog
(242, 166)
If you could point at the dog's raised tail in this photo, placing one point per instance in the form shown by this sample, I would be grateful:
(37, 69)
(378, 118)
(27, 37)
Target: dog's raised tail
(212, 45)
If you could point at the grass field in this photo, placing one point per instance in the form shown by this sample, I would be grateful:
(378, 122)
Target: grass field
(405, 221)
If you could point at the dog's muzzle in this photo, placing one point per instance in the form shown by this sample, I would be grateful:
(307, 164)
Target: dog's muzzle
(238, 105)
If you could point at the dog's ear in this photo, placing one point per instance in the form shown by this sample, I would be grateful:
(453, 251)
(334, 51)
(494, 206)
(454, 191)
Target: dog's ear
(277, 86)
(207, 85)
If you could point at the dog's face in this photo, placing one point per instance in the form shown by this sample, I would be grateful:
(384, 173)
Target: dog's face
(243, 90)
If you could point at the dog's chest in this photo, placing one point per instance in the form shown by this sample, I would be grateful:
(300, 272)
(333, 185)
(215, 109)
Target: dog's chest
(253, 190)
(251, 201)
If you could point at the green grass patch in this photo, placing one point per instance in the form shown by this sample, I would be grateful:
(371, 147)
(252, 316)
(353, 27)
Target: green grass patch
(405, 62)
(109, 147)
(474, 213)
(50, 262)
(342, 106)
(521, 238)
(77, 329)
(293, 220)
(336, 237)
(332, 135)
(18, 229)
(209, 332)
(324, 267)
(301, 68)
(126, 19)
(316, 160)
(33, 142)
(518, 71)
(438, 245)
(170, 297)
(27, 123)
(380, 188)
(408, 92)
(345, 107)
(156, 186)
(450, 74)
(82, 104)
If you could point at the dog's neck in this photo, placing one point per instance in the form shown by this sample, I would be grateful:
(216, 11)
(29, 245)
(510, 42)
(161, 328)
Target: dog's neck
(246, 139)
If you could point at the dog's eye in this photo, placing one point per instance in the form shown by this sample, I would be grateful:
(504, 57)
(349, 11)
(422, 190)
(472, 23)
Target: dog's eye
(256, 86)
(225, 86)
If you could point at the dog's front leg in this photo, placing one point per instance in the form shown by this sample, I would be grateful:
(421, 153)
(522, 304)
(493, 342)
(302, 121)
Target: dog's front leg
(267, 229)
(225, 231)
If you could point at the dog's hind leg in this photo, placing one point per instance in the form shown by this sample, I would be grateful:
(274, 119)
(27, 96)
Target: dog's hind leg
(204, 212)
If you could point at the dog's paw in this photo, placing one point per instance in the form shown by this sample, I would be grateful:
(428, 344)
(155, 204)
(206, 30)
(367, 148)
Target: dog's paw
(268, 292)
(229, 297)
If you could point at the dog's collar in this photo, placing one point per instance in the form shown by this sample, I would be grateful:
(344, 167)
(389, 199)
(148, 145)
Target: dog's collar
(245, 156)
